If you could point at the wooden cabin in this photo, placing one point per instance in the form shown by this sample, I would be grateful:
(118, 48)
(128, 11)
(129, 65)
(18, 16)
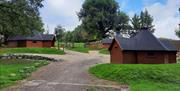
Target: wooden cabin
(106, 42)
(144, 48)
(38, 40)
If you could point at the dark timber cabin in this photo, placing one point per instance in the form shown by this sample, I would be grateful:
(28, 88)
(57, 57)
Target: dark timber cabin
(144, 48)
(38, 40)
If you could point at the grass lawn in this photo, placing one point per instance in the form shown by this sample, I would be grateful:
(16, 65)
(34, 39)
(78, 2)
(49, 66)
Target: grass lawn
(104, 51)
(141, 77)
(79, 47)
(178, 61)
(31, 50)
(13, 70)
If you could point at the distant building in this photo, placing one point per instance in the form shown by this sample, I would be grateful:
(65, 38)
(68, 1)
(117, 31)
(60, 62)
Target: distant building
(176, 43)
(106, 42)
(144, 48)
(38, 40)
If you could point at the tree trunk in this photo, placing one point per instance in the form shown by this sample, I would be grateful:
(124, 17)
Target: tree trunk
(58, 45)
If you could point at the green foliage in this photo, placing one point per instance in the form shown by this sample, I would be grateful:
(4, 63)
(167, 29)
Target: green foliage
(104, 51)
(59, 32)
(144, 20)
(14, 70)
(31, 50)
(178, 33)
(79, 34)
(141, 77)
(122, 23)
(79, 47)
(98, 17)
(20, 17)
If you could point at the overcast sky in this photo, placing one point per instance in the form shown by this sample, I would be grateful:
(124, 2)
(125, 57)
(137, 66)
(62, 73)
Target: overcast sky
(165, 14)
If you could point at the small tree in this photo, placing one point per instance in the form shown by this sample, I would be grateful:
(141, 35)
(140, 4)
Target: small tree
(140, 21)
(59, 32)
(178, 32)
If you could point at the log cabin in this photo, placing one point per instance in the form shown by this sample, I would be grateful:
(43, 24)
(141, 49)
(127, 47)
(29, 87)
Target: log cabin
(38, 40)
(144, 48)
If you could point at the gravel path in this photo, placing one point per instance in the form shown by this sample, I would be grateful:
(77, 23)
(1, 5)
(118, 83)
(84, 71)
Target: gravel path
(71, 74)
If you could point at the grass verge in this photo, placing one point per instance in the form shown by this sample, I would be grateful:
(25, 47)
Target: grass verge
(141, 77)
(31, 50)
(13, 70)
(104, 51)
(79, 47)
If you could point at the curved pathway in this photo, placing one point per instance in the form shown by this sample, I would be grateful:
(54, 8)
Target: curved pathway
(71, 74)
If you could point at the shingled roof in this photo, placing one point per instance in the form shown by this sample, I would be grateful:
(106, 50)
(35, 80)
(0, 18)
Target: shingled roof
(107, 41)
(143, 41)
(41, 37)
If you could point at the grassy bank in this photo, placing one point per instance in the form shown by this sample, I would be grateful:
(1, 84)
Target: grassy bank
(141, 77)
(104, 51)
(31, 50)
(14, 70)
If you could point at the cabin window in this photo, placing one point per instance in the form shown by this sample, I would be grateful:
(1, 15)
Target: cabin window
(34, 41)
(150, 54)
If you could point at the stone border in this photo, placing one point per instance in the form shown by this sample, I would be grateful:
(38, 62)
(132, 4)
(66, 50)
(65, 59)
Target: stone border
(28, 57)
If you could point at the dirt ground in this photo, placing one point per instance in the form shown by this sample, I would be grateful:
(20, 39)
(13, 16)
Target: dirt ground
(70, 74)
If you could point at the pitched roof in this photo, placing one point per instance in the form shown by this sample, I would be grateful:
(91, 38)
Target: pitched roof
(41, 37)
(107, 40)
(143, 41)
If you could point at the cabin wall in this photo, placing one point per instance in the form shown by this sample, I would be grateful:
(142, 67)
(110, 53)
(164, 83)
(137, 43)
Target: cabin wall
(172, 57)
(156, 57)
(106, 45)
(116, 54)
(34, 44)
(150, 58)
(12, 44)
(129, 57)
(48, 43)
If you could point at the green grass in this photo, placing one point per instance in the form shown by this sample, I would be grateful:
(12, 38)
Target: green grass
(31, 50)
(141, 77)
(79, 47)
(13, 70)
(104, 51)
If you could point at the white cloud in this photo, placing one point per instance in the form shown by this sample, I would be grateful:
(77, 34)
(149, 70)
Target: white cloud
(165, 18)
(63, 12)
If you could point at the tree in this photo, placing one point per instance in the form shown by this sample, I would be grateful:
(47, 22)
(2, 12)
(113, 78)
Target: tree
(98, 16)
(80, 35)
(178, 32)
(122, 23)
(20, 17)
(59, 32)
(144, 20)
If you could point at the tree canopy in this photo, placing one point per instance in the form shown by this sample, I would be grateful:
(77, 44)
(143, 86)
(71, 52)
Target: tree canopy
(20, 17)
(98, 16)
(144, 20)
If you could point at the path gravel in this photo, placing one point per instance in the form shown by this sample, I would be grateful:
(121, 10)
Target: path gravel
(71, 74)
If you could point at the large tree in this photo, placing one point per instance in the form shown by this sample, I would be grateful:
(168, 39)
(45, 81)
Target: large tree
(98, 16)
(20, 17)
(122, 23)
